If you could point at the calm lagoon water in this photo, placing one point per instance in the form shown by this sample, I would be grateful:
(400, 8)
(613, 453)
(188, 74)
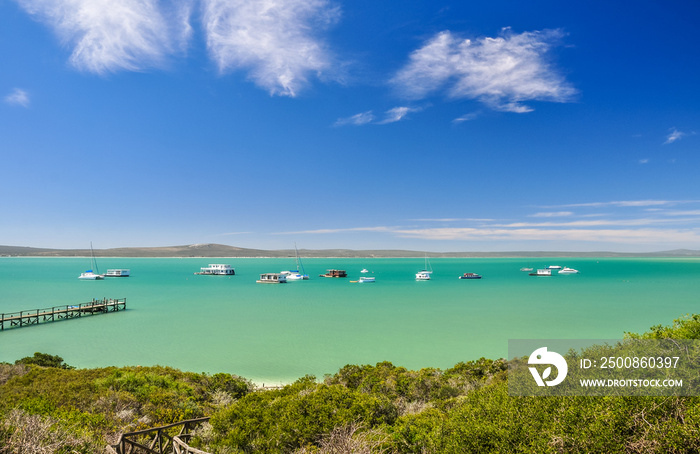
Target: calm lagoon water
(278, 333)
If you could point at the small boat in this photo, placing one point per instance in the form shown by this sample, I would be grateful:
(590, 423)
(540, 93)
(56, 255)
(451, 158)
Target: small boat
(427, 271)
(89, 275)
(525, 269)
(118, 273)
(364, 279)
(470, 276)
(217, 269)
(567, 270)
(554, 267)
(364, 270)
(334, 273)
(542, 272)
(272, 278)
(295, 275)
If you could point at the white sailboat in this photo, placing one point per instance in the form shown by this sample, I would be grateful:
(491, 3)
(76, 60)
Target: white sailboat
(91, 275)
(427, 271)
(295, 275)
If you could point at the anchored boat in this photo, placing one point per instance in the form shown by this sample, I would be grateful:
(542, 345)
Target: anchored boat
(334, 273)
(217, 269)
(567, 270)
(295, 275)
(427, 271)
(272, 278)
(118, 273)
(90, 275)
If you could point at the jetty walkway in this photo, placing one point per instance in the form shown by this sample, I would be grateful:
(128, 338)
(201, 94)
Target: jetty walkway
(53, 314)
(160, 440)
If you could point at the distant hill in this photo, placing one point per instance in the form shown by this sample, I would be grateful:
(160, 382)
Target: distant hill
(222, 250)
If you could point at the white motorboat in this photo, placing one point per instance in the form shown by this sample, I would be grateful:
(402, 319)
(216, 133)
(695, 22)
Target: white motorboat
(118, 273)
(554, 267)
(364, 270)
(567, 270)
(366, 279)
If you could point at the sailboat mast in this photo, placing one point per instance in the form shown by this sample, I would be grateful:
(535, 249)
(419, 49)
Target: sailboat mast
(299, 264)
(94, 262)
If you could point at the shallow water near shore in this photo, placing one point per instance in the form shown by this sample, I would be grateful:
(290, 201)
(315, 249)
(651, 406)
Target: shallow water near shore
(277, 333)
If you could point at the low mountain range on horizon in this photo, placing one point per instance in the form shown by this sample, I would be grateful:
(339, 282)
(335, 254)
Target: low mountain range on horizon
(222, 250)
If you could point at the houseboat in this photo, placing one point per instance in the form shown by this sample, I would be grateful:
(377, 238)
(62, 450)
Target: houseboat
(334, 273)
(542, 272)
(217, 270)
(118, 273)
(272, 278)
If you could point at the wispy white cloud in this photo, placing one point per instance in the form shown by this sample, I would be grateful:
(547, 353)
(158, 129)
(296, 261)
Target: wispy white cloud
(657, 226)
(674, 135)
(108, 35)
(594, 223)
(358, 119)
(453, 220)
(341, 230)
(390, 116)
(466, 117)
(500, 72)
(640, 236)
(624, 203)
(552, 214)
(274, 39)
(620, 236)
(398, 114)
(18, 97)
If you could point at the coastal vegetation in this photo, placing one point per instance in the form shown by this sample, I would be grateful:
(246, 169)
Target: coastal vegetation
(46, 406)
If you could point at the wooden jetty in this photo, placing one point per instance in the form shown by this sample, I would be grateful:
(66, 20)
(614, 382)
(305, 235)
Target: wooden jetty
(53, 314)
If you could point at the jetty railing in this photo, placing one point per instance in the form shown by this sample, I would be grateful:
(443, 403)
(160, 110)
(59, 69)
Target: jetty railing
(159, 440)
(56, 313)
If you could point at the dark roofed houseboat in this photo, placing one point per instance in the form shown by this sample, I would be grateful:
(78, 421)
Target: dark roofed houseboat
(334, 273)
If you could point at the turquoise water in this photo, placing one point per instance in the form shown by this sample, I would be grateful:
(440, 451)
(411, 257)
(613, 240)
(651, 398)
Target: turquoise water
(278, 333)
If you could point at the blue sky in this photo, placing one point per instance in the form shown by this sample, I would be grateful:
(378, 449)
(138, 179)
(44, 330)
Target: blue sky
(439, 126)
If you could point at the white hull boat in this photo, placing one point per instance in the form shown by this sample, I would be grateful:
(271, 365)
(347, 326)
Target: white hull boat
(90, 275)
(295, 275)
(427, 271)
